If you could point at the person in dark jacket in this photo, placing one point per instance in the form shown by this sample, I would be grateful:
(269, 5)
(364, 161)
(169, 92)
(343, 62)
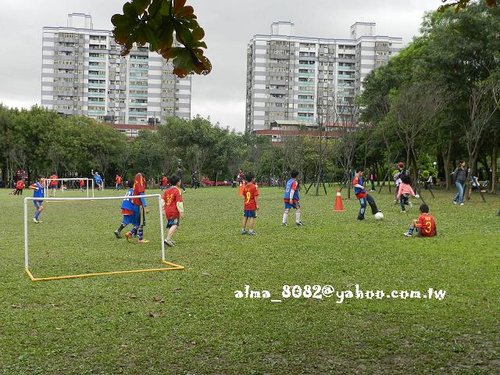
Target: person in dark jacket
(459, 178)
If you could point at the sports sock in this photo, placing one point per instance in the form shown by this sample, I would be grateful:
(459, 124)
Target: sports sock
(285, 217)
(37, 213)
(140, 233)
(297, 217)
(120, 228)
(410, 230)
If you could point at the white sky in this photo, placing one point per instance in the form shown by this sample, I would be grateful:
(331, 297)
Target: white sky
(228, 24)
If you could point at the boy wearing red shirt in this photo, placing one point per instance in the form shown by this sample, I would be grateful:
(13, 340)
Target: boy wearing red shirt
(19, 187)
(250, 194)
(118, 182)
(425, 224)
(53, 183)
(174, 208)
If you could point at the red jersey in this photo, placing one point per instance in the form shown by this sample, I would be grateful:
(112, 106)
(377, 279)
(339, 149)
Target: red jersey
(53, 183)
(20, 185)
(171, 197)
(118, 179)
(250, 192)
(82, 183)
(164, 181)
(427, 225)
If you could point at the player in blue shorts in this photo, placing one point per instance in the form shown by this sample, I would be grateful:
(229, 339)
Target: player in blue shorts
(130, 213)
(38, 203)
(140, 209)
(291, 198)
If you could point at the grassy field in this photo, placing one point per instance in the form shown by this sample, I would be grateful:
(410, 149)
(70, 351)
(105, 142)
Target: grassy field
(189, 322)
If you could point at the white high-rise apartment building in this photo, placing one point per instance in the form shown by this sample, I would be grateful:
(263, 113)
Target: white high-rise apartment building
(307, 81)
(84, 74)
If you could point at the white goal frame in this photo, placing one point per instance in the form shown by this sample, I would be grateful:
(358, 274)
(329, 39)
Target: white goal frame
(171, 266)
(47, 181)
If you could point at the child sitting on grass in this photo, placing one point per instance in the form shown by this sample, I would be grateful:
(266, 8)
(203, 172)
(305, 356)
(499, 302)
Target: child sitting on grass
(425, 225)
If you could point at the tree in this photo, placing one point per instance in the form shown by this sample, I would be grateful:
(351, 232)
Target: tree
(154, 22)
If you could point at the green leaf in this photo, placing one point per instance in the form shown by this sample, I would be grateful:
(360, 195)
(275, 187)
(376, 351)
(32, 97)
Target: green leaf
(166, 7)
(198, 33)
(140, 5)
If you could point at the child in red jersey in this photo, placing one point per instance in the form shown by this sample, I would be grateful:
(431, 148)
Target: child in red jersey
(250, 194)
(19, 187)
(425, 225)
(173, 206)
(53, 183)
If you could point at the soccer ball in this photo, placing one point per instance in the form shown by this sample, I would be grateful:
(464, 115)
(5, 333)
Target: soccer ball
(379, 216)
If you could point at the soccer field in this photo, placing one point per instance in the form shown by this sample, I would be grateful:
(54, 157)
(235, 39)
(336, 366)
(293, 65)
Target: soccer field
(191, 321)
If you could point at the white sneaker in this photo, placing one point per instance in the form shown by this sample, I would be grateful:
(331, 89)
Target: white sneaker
(406, 234)
(35, 220)
(461, 204)
(454, 202)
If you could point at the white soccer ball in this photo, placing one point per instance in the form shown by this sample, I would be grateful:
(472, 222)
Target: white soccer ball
(379, 216)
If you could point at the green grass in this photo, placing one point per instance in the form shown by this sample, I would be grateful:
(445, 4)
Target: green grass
(189, 322)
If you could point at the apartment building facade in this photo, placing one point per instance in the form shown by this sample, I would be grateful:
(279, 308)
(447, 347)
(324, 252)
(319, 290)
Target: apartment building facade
(83, 73)
(310, 81)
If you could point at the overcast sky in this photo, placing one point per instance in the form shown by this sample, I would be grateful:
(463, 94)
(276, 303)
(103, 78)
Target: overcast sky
(228, 24)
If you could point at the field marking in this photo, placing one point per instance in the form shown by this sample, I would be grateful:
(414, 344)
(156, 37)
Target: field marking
(172, 267)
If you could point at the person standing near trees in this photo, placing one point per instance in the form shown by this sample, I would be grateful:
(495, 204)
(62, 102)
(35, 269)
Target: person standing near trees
(372, 178)
(179, 174)
(459, 178)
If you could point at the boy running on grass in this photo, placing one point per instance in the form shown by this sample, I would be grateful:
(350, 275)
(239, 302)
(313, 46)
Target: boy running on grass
(38, 203)
(250, 194)
(174, 208)
(425, 225)
(139, 188)
(291, 198)
(129, 213)
(362, 195)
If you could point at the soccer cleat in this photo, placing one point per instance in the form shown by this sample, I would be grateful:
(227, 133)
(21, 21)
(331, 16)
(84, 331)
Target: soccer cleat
(117, 234)
(243, 231)
(402, 211)
(454, 202)
(251, 233)
(128, 236)
(284, 224)
(299, 223)
(406, 234)
(461, 204)
(143, 241)
(169, 243)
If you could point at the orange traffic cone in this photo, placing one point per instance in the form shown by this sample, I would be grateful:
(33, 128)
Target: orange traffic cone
(339, 205)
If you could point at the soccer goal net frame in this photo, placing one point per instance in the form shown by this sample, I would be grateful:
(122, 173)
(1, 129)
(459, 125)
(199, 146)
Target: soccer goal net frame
(88, 182)
(167, 266)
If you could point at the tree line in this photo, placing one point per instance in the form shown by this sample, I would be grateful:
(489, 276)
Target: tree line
(433, 104)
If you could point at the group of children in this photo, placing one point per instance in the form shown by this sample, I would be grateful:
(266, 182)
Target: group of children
(424, 226)
(134, 209)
